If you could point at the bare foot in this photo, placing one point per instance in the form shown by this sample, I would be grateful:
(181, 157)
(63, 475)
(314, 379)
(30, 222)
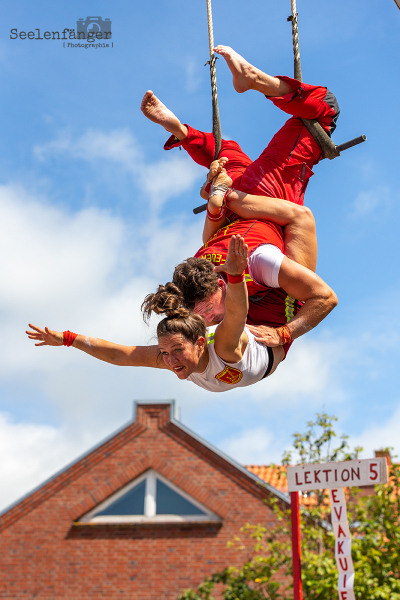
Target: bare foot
(216, 201)
(222, 178)
(216, 167)
(156, 111)
(242, 71)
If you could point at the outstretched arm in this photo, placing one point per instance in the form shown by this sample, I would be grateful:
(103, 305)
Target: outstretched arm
(125, 356)
(230, 337)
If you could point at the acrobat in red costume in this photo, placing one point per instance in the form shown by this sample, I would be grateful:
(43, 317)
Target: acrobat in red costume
(281, 171)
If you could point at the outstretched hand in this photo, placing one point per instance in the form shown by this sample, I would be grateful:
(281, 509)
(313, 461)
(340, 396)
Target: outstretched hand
(267, 336)
(237, 257)
(45, 337)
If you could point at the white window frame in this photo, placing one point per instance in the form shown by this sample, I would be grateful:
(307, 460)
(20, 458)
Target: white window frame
(150, 508)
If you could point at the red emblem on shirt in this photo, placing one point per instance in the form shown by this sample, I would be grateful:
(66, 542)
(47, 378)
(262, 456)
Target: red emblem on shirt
(229, 375)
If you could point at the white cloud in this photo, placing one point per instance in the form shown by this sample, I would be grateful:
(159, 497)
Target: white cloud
(309, 371)
(118, 146)
(78, 270)
(378, 199)
(159, 181)
(253, 446)
(380, 435)
(193, 75)
(32, 453)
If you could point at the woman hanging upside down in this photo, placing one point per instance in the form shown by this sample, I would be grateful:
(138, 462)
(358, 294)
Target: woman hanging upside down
(217, 359)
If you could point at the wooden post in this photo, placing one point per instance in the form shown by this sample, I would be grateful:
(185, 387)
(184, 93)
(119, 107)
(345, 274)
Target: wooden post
(296, 545)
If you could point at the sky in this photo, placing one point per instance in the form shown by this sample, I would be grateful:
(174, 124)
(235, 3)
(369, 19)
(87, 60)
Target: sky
(95, 214)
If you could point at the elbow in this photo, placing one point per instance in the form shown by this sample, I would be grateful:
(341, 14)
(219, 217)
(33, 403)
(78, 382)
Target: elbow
(331, 300)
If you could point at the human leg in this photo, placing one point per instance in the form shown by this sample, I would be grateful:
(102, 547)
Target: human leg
(199, 145)
(247, 77)
(300, 237)
(312, 102)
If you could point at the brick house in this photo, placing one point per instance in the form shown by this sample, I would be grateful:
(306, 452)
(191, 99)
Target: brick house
(144, 515)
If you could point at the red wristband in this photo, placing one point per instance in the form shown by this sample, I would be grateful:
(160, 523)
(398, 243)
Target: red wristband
(216, 217)
(227, 194)
(235, 278)
(69, 337)
(284, 334)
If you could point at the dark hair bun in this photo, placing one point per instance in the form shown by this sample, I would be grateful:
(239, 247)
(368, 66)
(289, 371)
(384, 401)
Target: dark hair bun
(177, 313)
(168, 298)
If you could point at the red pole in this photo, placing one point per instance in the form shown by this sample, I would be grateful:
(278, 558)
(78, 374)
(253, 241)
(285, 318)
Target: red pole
(296, 546)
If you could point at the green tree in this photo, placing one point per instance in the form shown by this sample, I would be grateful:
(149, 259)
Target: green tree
(375, 521)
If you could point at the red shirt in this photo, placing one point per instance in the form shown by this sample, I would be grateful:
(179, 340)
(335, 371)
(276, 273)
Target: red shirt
(255, 233)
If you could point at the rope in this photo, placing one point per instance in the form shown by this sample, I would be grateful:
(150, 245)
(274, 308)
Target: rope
(296, 47)
(213, 74)
(319, 134)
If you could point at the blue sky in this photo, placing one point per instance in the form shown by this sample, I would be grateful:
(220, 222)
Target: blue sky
(94, 214)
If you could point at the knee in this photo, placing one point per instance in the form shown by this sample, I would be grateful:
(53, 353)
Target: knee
(306, 219)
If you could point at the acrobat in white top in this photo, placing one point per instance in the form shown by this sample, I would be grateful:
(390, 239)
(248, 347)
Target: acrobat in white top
(221, 376)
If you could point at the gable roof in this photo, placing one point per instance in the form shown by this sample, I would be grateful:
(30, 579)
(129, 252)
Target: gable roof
(168, 424)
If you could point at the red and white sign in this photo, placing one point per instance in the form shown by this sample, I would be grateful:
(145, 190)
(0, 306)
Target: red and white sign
(344, 561)
(333, 475)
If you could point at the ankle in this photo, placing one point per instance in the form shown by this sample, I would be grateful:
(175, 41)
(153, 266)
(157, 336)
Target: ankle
(179, 131)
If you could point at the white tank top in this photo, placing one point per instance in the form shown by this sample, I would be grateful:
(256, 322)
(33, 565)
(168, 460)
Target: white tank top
(221, 376)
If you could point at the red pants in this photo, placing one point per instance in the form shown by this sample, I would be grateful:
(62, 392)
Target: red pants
(285, 166)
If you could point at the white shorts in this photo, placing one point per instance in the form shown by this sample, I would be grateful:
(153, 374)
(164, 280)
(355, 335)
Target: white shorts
(264, 265)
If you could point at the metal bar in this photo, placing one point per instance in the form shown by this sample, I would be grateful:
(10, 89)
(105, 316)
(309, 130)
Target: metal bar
(200, 209)
(296, 546)
(358, 140)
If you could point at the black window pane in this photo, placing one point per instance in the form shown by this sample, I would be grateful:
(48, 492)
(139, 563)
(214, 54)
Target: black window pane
(131, 503)
(169, 502)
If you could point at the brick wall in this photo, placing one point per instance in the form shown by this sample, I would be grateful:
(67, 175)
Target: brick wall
(44, 555)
